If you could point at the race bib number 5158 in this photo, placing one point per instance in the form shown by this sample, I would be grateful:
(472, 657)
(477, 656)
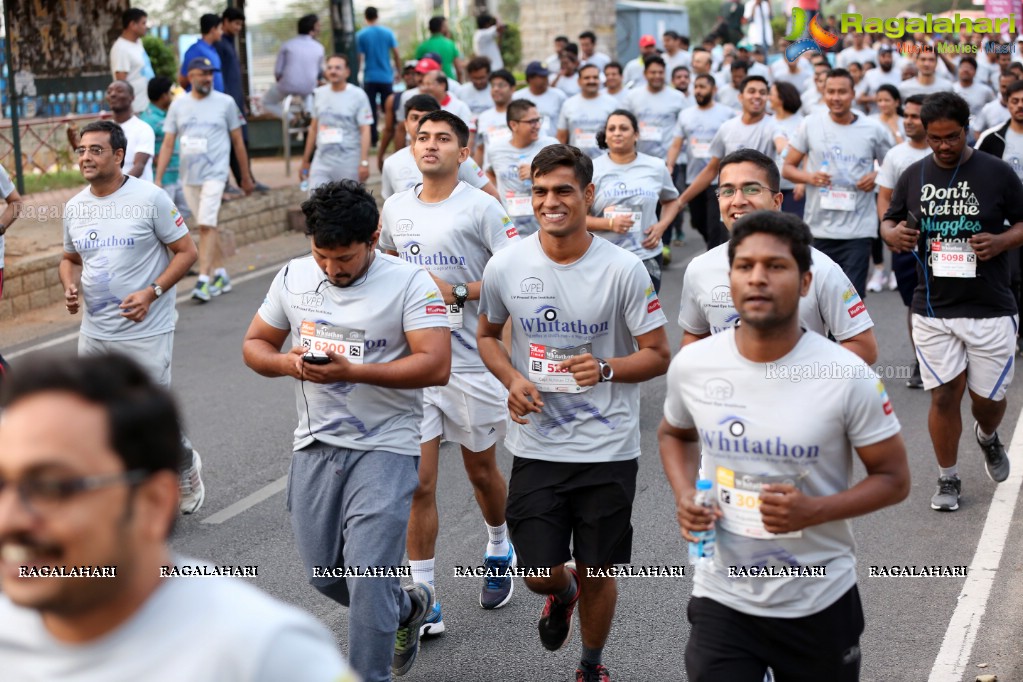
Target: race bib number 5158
(545, 369)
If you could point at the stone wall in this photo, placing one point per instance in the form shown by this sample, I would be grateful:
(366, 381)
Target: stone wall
(542, 20)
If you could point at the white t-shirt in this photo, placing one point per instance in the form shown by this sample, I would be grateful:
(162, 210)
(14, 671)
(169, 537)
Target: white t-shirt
(993, 114)
(697, 127)
(657, 114)
(851, 54)
(368, 321)
(121, 239)
(601, 301)
(747, 441)
(567, 84)
(131, 58)
(831, 306)
(598, 59)
(584, 118)
(516, 195)
(141, 140)
(453, 239)
(401, 173)
(637, 187)
(896, 161)
(734, 135)
(478, 101)
(786, 128)
(6, 187)
(461, 110)
(492, 127)
(1013, 154)
(484, 44)
(548, 104)
(633, 74)
(339, 119)
(681, 58)
(913, 86)
(977, 95)
(850, 151)
(728, 95)
(247, 636)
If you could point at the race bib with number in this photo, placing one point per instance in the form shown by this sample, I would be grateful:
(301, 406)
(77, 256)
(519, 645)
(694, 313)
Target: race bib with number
(495, 134)
(953, 259)
(584, 140)
(699, 150)
(838, 199)
(738, 496)
(320, 339)
(455, 315)
(192, 145)
(649, 132)
(545, 371)
(619, 212)
(518, 204)
(328, 135)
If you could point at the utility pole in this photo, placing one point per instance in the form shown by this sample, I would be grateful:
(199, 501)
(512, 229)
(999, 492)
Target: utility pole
(342, 20)
(15, 100)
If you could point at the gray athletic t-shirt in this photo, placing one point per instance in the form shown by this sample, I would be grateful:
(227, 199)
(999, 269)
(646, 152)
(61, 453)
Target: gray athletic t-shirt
(657, 114)
(786, 128)
(401, 173)
(831, 306)
(367, 320)
(850, 151)
(203, 129)
(453, 239)
(492, 127)
(548, 104)
(121, 239)
(603, 300)
(339, 116)
(697, 128)
(631, 188)
(747, 441)
(478, 101)
(247, 636)
(583, 119)
(1013, 154)
(516, 195)
(896, 161)
(977, 95)
(913, 86)
(734, 135)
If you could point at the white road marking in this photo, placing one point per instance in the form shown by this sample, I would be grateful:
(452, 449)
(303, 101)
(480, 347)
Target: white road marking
(71, 336)
(957, 647)
(248, 501)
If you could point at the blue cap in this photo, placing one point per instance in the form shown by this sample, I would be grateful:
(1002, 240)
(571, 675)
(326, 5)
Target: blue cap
(704, 484)
(201, 63)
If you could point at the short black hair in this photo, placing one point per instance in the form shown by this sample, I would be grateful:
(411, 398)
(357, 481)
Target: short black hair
(232, 14)
(118, 140)
(142, 420)
(679, 68)
(458, 126)
(440, 78)
(758, 158)
(208, 22)
(436, 24)
(752, 79)
(477, 63)
(945, 105)
(915, 99)
(588, 65)
(517, 107)
(739, 65)
(672, 34)
(371, 14)
(842, 73)
(423, 103)
(556, 156)
(895, 95)
(1014, 88)
(131, 88)
(713, 83)
(602, 133)
(590, 35)
(650, 61)
(307, 23)
(485, 21)
(340, 213)
(131, 15)
(158, 85)
(338, 55)
(504, 74)
(570, 48)
(786, 226)
(613, 65)
(561, 39)
(789, 96)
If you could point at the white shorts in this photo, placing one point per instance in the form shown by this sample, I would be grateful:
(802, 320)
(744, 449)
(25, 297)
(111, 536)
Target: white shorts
(153, 353)
(983, 347)
(204, 200)
(472, 410)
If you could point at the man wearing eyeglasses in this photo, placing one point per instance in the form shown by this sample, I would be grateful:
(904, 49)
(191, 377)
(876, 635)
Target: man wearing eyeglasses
(507, 163)
(748, 181)
(961, 213)
(88, 483)
(125, 249)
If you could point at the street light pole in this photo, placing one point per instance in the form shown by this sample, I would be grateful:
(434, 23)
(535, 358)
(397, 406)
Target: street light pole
(14, 99)
(342, 19)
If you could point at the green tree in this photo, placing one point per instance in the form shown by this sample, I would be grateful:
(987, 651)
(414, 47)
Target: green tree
(511, 46)
(162, 57)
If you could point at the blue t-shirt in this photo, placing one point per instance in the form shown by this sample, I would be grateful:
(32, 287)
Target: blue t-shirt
(230, 70)
(203, 49)
(376, 42)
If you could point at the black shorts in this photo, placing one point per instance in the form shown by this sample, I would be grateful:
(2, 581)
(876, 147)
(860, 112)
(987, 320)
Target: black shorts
(558, 510)
(904, 267)
(725, 644)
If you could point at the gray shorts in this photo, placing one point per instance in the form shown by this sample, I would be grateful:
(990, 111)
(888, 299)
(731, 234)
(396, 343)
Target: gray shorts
(154, 353)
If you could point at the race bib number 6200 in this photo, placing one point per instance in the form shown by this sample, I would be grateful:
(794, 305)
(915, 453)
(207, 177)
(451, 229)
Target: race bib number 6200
(320, 339)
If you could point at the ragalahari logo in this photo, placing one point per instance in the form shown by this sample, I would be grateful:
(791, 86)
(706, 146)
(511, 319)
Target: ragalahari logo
(807, 35)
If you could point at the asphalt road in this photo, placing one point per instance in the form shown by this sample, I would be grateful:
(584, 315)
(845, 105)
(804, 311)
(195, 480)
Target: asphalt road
(242, 424)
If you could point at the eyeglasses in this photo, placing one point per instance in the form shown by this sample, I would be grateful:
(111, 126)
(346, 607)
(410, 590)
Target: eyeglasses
(93, 150)
(42, 497)
(949, 140)
(751, 189)
(528, 121)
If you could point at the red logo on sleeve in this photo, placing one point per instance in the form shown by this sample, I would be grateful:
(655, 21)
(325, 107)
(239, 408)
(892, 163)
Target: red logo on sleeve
(857, 308)
(887, 407)
(436, 310)
(653, 305)
(512, 233)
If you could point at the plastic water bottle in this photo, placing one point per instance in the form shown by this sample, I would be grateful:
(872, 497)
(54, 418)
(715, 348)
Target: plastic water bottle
(701, 552)
(304, 185)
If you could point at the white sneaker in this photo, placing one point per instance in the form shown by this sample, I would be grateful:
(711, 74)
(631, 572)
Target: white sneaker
(893, 283)
(193, 492)
(876, 282)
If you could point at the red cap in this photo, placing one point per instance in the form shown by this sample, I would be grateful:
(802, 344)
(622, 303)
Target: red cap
(647, 41)
(426, 65)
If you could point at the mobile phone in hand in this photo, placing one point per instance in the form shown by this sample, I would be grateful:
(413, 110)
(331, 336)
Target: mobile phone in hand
(315, 359)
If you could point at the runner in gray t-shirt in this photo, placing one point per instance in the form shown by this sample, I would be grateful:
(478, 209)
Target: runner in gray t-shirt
(587, 329)
(339, 130)
(583, 115)
(548, 100)
(656, 105)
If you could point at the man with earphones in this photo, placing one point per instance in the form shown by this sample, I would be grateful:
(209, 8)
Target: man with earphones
(960, 212)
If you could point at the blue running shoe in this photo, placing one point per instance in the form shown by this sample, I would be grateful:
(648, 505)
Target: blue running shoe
(498, 587)
(434, 624)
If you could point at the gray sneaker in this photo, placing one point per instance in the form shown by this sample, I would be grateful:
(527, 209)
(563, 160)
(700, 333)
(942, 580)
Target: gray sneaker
(946, 498)
(193, 492)
(406, 640)
(995, 460)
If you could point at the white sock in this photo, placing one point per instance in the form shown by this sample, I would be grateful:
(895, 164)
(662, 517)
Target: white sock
(498, 545)
(422, 571)
(220, 272)
(204, 278)
(950, 472)
(984, 438)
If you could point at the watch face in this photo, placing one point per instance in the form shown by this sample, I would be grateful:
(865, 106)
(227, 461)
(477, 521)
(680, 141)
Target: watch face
(461, 291)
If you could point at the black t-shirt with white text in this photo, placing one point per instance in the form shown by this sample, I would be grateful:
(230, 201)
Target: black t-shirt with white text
(948, 206)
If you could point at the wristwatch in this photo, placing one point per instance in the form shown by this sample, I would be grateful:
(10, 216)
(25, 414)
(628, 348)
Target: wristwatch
(607, 373)
(461, 294)
(364, 163)
(157, 289)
